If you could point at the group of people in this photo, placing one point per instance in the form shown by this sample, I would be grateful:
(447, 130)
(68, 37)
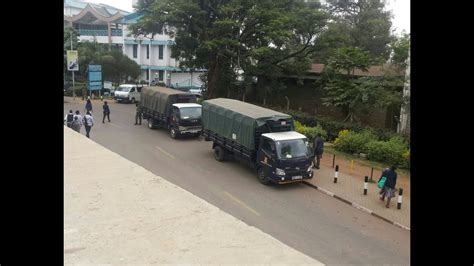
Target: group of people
(388, 189)
(76, 121)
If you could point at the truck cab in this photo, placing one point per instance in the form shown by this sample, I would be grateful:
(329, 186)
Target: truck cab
(128, 93)
(185, 119)
(284, 157)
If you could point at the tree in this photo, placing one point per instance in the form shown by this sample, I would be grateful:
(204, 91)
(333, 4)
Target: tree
(118, 67)
(68, 33)
(352, 94)
(400, 47)
(364, 24)
(343, 89)
(115, 65)
(260, 37)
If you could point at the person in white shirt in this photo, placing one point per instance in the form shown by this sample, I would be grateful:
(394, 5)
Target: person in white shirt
(88, 122)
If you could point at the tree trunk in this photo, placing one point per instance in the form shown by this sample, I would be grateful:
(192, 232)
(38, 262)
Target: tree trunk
(287, 103)
(212, 78)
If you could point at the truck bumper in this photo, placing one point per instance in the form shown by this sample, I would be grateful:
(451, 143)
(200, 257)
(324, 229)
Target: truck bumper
(291, 179)
(194, 130)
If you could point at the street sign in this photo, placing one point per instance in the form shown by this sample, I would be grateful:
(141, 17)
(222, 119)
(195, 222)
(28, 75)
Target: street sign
(94, 77)
(72, 61)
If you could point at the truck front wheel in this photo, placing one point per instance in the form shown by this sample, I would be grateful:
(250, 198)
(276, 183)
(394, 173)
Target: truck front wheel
(150, 123)
(219, 153)
(262, 177)
(174, 133)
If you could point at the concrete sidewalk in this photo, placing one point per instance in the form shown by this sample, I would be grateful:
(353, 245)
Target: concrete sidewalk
(350, 189)
(117, 212)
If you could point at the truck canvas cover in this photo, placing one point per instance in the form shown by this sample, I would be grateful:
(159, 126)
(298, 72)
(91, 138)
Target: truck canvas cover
(160, 99)
(239, 121)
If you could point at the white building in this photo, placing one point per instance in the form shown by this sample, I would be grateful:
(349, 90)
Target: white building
(108, 25)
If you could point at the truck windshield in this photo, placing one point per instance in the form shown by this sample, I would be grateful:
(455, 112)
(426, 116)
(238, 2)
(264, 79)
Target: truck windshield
(288, 149)
(123, 88)
(190, 112)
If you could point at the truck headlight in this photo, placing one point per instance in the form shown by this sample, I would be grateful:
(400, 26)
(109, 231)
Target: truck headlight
(182, 128)
(310, 167)
(279, 171)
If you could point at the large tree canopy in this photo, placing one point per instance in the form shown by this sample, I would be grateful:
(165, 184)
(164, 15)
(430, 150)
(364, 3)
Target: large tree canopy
(354, 94)
(357, 23)
(258, 37)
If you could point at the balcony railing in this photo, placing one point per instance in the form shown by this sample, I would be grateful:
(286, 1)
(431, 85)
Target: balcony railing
(88, 32)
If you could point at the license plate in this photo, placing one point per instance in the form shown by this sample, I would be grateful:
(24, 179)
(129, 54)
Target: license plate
(296, 177)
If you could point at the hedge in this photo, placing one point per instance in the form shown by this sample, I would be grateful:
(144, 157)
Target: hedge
(310, 132)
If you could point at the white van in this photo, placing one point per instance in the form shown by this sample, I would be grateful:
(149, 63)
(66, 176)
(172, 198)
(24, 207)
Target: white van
(128, 93)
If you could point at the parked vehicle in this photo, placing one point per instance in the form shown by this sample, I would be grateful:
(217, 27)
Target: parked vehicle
(128, 93)
(172, 109)
(261, 136)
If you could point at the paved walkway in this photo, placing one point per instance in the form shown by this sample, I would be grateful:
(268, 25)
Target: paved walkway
(117, 212)
(351, 190)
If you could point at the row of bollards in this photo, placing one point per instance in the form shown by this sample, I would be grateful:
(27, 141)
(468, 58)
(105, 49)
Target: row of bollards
(366, 183)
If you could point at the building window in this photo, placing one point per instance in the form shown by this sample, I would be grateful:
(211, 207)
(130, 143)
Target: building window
(160, 75)
(135, 50)
(160, 53)
(147, 75)
(147, 52)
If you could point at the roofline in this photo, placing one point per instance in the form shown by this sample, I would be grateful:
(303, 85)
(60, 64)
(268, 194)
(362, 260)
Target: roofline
(90, 9)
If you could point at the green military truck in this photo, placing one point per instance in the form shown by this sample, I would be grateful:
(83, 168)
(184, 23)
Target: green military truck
(261, 136)
(172, 109)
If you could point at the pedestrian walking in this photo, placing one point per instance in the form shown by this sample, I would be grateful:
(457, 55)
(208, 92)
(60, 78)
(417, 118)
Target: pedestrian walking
(88, 106)
(138, 114)
(388, 190)
(106, 110)
(69, 118)
(79, 119)
(88, 123)
(76, 124)
(318, 150)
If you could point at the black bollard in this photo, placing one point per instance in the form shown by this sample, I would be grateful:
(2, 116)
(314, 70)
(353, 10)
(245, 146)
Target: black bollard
(371, 174)
(399, 203)
(366, 180)
(336, 173)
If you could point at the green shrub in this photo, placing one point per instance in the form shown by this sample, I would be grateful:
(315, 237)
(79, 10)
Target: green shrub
(310, 132)
(353, 142)
(393, 151)
(79, 91)
(334, 127)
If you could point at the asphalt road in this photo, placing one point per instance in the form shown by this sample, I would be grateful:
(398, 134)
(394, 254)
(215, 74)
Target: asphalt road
(299, 216)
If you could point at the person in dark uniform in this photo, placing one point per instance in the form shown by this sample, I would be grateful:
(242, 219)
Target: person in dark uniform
(138, 115)
(318, 150)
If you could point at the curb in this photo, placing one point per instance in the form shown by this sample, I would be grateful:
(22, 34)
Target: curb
(355, 205)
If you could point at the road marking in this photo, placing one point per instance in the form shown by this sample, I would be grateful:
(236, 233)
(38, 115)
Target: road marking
(115, 125)
(165, 152)
(241, 203)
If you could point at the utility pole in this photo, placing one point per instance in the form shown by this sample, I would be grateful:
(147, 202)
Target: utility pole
(73, 87)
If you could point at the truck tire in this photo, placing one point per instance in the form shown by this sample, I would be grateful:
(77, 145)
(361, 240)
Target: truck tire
(133, 100)
(219, 153)
(261, 176)
(174, 133)
(150, 123)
